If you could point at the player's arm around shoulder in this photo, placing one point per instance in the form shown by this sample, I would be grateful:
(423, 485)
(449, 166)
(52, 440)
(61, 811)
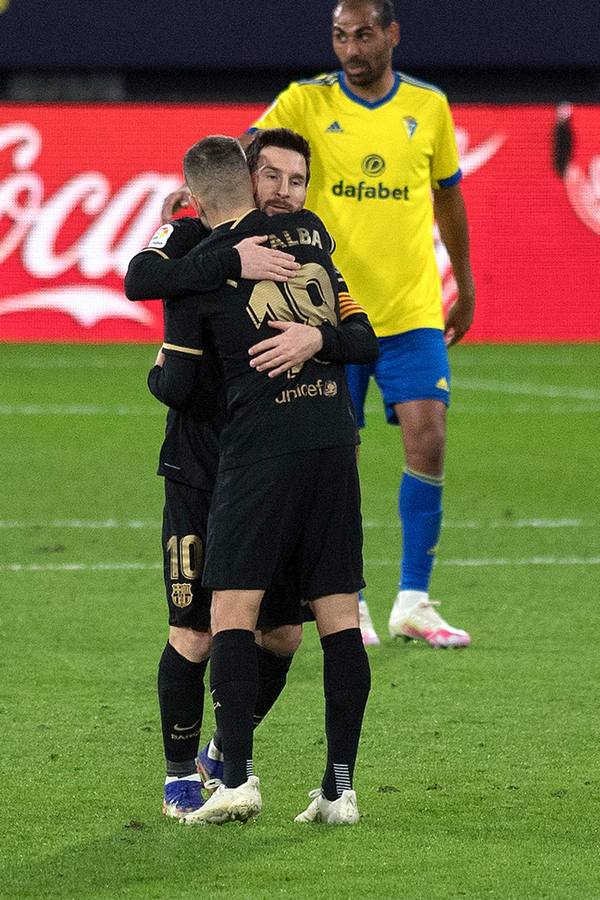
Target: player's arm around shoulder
(152, 272)
(172, 380)
(174, 264)
(353, 340)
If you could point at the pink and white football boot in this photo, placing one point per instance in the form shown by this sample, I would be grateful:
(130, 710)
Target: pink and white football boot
(422, 622)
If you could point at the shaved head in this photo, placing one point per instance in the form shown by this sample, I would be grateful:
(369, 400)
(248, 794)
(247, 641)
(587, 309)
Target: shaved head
(383, 9)
(216, 172)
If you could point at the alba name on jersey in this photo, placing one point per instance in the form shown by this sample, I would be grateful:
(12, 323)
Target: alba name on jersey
(373, 168)
(304, 409)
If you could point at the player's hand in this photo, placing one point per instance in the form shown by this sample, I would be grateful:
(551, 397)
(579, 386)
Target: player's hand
(264, 264)
(459, 317)
(160, 358)
(293, 346)
(179, 199)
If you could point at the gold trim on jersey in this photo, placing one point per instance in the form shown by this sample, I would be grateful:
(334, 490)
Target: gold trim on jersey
(154, 250)
(191, 350)
(233, 223)
(243, 216)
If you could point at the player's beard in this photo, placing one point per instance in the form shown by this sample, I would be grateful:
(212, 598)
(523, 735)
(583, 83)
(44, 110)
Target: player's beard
(369, 73)
(277, 207)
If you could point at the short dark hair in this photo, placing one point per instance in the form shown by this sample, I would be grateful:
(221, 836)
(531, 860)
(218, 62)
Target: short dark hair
(284, 139)
(384, 9)
(215, 166)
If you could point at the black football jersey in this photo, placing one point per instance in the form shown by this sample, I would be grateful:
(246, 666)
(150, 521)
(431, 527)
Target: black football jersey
(306, 408)
(189, 383)
(164, 268)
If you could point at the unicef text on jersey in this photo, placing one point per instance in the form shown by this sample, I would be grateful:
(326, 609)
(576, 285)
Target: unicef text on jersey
(364, 191)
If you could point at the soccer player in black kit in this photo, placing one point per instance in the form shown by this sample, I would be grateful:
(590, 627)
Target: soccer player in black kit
(286, 496)
(352, 340)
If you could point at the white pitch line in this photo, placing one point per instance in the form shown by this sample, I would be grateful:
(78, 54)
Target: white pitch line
(477, 525)
(79, 409)
(553, 408)
(460, 563)
(531, 561)
(79, 567)
(532, 390)
(81, 523)
(549, 408)
(370, 524)
(500, 561)
(539, 523)
(61, 363)
(108, 362)
(87, 409)
(558, 360)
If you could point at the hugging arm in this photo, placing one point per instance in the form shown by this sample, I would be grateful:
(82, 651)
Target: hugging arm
(352, 341)
(182, 266)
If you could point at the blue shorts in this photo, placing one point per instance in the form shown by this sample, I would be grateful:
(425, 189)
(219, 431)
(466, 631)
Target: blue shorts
(411, 366)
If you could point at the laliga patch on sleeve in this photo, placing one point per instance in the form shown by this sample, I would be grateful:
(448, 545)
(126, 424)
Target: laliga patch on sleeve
(160, 237)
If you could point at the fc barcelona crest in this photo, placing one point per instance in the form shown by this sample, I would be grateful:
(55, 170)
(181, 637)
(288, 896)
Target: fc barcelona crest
(181, 594)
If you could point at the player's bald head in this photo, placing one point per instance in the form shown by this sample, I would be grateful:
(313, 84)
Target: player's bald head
(216, 171)
(383, 9)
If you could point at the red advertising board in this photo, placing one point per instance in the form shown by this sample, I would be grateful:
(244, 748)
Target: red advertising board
(81, 189)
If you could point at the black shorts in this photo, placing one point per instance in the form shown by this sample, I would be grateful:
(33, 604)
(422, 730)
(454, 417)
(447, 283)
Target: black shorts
(183, 536)
(292, 519)
(185, 518)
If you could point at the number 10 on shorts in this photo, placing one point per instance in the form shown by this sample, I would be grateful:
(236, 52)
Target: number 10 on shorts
(185, 557)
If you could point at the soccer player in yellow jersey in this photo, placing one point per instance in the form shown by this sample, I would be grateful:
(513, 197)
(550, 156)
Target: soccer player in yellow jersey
(384, 164)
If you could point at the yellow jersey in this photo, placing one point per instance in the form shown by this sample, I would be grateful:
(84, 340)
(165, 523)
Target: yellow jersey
(373, 168)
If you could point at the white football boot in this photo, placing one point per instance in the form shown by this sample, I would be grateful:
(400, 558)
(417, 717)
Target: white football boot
(343, 811)
(422, 622)
(367, 629)
(228, 805)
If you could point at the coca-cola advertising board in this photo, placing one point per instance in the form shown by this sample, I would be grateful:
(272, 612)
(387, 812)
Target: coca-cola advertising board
(81, 189)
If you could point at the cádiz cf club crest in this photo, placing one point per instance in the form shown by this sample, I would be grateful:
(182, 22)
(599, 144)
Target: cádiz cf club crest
(410, 124)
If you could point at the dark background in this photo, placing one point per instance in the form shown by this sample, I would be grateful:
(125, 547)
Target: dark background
(488, 50)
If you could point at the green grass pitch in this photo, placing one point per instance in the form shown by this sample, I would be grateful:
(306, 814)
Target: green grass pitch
(479, 772)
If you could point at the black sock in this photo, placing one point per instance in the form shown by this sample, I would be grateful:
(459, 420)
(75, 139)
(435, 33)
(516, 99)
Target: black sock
(234, 686)
(272, 676)
(181, 700)
(346, 681)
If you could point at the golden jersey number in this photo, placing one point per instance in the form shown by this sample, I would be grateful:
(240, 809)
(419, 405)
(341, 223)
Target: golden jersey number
(185, 557)
(308, 297)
